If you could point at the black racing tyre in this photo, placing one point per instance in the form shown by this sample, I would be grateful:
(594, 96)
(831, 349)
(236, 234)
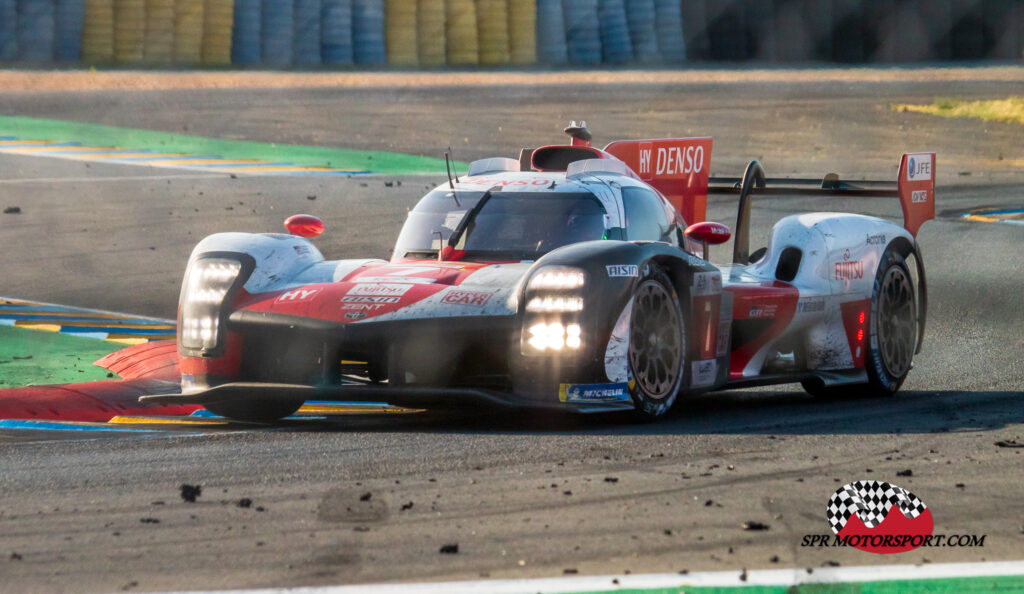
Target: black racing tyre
(657, 344)
(255, 410)
(892, 334)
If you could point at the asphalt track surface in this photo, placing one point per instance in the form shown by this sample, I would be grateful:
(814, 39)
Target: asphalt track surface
(522, 495)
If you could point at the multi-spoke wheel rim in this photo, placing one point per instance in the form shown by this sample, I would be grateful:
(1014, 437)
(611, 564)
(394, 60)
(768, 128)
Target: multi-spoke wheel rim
(655, 344)
(897, 322)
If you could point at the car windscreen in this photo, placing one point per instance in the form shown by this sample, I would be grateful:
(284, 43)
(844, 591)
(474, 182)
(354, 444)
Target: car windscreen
(510, 225)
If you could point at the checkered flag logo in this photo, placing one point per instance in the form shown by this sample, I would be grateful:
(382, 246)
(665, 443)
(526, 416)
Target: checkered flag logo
(871, 501)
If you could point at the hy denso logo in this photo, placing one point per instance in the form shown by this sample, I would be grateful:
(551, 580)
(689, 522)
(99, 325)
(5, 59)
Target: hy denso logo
(297, 295)
(672, 160)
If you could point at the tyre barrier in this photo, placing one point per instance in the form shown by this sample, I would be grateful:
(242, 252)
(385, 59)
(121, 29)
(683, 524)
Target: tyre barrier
(642, 31)
(497, 32)
(616, 45)
(551, 44)
(582, 32)
(431, 35)
(68, 20)
(668, 28)
(492, 31)
(463, 48)
(36, 20)
(218, 21)
(522, 31)
(368, 45)
(158, 45)
(246, 31)
(336, 31)
(402, 43)
(278, 28)
(306, 36)
(98, 32)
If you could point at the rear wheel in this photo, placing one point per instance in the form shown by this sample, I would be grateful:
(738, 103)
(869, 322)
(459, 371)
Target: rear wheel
(657, 344)
(255, 410)
(892, 337)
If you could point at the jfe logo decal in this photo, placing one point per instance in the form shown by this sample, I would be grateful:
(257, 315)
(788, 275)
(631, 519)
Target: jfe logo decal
(919, 167)
(879, 517)
(623, 270)
(474, 298)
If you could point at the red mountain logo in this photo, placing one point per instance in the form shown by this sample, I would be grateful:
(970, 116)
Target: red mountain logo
(879, 517)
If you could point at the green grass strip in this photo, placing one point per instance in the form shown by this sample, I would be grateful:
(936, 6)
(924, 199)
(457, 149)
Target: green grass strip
(1013, 583)
(100, 135)
(34, 357)
(1010, 109)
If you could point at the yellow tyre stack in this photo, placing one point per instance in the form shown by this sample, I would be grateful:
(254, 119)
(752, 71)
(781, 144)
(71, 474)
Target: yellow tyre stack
(188, 31)
(129, 30)
(218, 20)
(159, 43)
(401, 32)
(463, 45)
(98, 32)
(522, 31)
(492, 31)
(431, 38)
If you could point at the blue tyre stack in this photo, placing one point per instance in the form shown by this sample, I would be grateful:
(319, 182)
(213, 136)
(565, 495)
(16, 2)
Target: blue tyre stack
(668, 18)
(551, 47)
(68, 21)
(582, 32)
(336, 31)
(36, 30)
(278, 27)
(368, 32)
(8, 30)
(245, 34)
(640, 15)
(306, 41)
(615, 42)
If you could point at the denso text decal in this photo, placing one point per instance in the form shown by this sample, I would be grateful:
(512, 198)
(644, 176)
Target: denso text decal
(918, 196)
(380, 289)
(676, 160)
(475, 298)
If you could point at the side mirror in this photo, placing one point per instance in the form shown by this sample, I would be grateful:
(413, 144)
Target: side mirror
(708, 233)
(304, 225)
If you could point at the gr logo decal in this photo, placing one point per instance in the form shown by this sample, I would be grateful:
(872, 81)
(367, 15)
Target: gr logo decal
(879, 517)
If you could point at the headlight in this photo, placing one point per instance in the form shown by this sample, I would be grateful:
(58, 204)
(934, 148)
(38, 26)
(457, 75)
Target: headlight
(206, 286)
(555, 336)
(557, 278)
(551, 304)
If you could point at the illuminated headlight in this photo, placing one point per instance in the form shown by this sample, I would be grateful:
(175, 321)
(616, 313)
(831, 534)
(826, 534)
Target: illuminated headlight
(555, 336)
(206, 286)
(557, 278)
(551, 304)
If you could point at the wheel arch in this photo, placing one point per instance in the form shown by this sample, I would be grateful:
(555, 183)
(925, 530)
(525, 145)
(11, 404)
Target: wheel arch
(906, 247)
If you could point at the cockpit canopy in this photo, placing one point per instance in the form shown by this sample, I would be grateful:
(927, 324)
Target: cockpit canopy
(509, 225)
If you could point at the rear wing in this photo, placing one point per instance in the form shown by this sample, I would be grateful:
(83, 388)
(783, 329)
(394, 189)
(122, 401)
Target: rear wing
(914, 186)
(676, 167)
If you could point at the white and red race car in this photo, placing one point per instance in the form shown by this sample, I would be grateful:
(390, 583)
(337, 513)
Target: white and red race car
(575, 278)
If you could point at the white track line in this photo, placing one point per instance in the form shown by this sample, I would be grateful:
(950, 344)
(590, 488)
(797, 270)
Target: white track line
(768, 577)
(78, 180)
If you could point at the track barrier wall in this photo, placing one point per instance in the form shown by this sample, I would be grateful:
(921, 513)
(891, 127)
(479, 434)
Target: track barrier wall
(494, 33)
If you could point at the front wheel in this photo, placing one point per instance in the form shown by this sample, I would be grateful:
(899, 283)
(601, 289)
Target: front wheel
(657, 344)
